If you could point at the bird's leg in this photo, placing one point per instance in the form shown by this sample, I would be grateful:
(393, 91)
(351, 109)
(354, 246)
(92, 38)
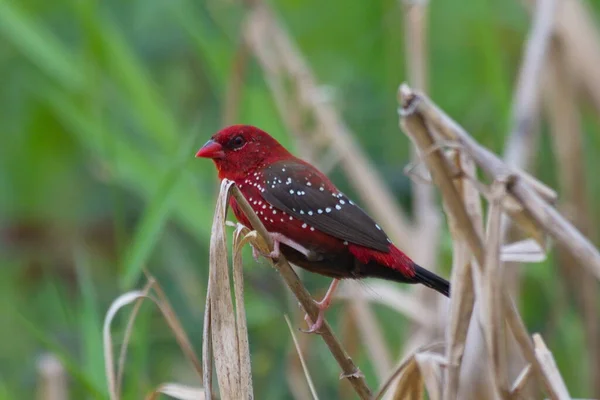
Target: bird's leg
(322, 305)
(278, 238)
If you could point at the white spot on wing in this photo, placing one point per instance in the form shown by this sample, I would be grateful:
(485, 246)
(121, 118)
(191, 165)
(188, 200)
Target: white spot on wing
(338, 207)
(310, 213)
(320, 211)
(303, 225)
(328, 209)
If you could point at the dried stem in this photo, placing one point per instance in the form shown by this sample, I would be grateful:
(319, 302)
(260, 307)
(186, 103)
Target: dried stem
(558, 389)
(567, 138)
(523, 138)
(427, 216)
(493, 283)
(416, 127)
(463, 294)
(426, 213)
(349, 370)
(576, 31)
(533, 197)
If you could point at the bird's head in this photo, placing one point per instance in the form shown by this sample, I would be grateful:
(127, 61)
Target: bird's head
(240, 149)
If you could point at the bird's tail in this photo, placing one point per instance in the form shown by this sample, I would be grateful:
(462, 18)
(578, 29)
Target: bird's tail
(431, 280)
(421, 275)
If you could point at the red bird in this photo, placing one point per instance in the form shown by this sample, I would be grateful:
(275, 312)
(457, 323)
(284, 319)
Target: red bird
(311, 222)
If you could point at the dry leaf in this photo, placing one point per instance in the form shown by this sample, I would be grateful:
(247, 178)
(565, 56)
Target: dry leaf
(109, 364)
(232, 361)
(527, 251)
(177, 391)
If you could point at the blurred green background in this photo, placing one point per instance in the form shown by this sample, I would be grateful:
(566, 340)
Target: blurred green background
(102, 107)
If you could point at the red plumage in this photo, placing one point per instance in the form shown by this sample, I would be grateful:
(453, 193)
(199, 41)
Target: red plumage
(317, 226)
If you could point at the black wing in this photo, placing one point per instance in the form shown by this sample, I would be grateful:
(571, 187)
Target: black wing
(302, 192)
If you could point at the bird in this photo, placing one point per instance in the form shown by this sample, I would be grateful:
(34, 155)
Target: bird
(311, 222)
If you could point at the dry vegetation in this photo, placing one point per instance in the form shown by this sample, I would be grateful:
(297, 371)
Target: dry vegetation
(475, 346)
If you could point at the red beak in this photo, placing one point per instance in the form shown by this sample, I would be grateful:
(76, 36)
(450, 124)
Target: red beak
(211, 149)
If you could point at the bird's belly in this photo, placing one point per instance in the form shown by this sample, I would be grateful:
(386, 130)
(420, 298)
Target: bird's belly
(330, 255)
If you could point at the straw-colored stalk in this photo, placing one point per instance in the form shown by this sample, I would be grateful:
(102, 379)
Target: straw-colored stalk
(227, 331)
(523, 137)
(52, 378)
(114, 378)
(566, 131)
(417, 127)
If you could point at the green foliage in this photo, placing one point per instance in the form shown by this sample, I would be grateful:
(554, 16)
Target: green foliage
(103, 106)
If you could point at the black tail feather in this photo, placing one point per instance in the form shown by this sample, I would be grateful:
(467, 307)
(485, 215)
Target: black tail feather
(421, 276)
(431, 280)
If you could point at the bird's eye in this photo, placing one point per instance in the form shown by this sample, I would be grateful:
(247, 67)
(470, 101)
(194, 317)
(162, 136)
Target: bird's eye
(237, 142)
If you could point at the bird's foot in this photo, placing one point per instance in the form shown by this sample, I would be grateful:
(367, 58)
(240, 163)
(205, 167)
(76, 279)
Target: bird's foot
(279, 239)
(322, 305)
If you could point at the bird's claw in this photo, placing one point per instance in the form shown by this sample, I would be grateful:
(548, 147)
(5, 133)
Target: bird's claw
(316, 326)
(256, 254)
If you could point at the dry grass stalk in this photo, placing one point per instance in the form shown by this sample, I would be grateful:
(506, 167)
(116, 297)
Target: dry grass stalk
(349, 370)
(410, 385)
(427, 216)
(417, 129)
(577, 32)
(117, 304)
(523, 137)
(129, 331)
(295, 376)
(207, 353)
(558, 227)
(463, 295)
(532, 198)
(492, 284)
(137, 296)
(52, 378)
(407, 375)
(566, 131)
(520, 383)
(430, 365)
(228, 332)
(309, 380)
(426, 213)
(521, 141)
(282, 62)
(558, 389)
